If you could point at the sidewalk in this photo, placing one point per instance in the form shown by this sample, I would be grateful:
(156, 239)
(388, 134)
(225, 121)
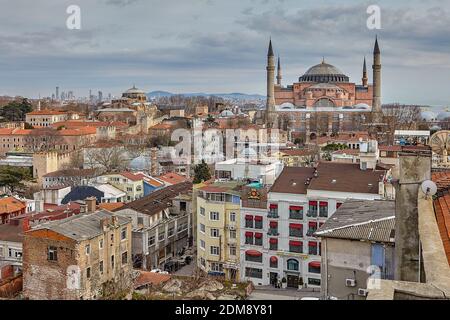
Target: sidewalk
(271, 293)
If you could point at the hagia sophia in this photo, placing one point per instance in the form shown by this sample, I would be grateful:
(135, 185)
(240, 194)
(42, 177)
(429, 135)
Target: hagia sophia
(323, 101)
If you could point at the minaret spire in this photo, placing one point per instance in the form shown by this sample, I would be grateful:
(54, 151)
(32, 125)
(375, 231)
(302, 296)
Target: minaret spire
(376, 103)
(270, 107)
(365, 78)
(279, 76)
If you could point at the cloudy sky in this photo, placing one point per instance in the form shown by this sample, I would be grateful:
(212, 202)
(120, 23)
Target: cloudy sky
(219, 46)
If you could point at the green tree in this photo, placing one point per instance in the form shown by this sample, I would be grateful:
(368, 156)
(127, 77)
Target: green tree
(201, 173)
(16, 110)
(13, 178)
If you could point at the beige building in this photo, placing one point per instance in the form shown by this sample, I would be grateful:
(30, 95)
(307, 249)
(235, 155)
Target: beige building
(45, 118)
(83, 257)
(218, 216)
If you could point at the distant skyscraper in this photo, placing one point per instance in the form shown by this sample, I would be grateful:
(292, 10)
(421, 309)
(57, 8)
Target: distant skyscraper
(100, 96)
(57, 93)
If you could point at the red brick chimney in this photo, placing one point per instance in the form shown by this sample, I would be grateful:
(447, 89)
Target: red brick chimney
(91, 204)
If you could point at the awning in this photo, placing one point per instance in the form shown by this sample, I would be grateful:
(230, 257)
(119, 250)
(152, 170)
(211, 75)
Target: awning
(295, 243)
(273, 224)
(314, 264)
(249, 234)
(253, 253)
(313, 203)
(313, 224)
(273, 259)
(313, 244)
(297, 208)
(273, 241)
(338, 205)
(258, 218)
(248, 217)
(258, 235)
(273, 206)
(296, 226)
(324, 204)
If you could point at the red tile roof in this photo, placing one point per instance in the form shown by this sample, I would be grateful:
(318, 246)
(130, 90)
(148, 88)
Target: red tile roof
(10, 205)
(45, 113)
(442, 208)
(146, 278)
(172, 178)
(131, 176)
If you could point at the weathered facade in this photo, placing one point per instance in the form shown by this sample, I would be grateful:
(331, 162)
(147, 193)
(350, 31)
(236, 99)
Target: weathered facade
(82, 257)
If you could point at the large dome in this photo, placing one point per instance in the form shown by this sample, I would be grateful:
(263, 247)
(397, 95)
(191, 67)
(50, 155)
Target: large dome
(323, 73)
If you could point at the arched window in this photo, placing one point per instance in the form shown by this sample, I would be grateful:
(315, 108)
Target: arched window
(324, 103)
(292, 265)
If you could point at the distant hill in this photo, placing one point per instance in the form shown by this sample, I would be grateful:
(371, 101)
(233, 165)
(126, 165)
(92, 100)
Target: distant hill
(227, 96)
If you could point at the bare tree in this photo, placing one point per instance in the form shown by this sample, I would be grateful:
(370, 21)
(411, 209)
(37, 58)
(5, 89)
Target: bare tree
(400, 117)
(107, 159)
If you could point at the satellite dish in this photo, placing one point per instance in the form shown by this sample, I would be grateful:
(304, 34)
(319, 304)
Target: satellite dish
(429, 188)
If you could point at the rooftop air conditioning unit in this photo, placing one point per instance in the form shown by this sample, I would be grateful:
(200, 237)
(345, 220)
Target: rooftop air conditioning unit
(350, 283)
(362, 292)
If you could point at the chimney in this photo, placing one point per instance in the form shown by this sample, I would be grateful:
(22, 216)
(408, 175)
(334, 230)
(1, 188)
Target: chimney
(415, 168)
(83, 208)
(91, 204)
(154, 162)
(104, 224)
(26, 225)
(115, 221)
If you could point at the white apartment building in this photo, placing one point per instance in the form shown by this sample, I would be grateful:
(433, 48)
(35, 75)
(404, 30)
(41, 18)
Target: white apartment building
(283, 246)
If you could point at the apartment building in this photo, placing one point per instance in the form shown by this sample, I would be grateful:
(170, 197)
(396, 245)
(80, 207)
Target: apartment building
(130, 183)
(218, 229)
(45, 118)
(300, 201)
(79, 258)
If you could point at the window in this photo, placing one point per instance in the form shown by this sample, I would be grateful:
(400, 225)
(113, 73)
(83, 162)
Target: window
(314, 282)
(273, 244)
(203, 262)
(100, 244)
(112, 237)
(140, 221)
(52, 254)
(1, 251)
(182, 206)
(273, 211)
(100, 267)
(232, 216)
(214, 233)
(273, 228)
(274, 262)
(232, 234)
(314, 267)
(258, 222)
(296, 213)
(216, 267)
(312, 229)
(249, 238)
(215, 250)
(202, 244)
(292, 265)
(312, 248)
(170, 232)
(254, 256)
(125, 257)
(323, 210)
(88, 272)
(214, 216)
(254, 273)
(312, 209)
(112, 262)
(161, 236)
(88, 249)
(123, 234)
(296, 246)
(232, 250)
(249, 222)
(258, 239)
(296, 230)
(202, 228)
(202, 211)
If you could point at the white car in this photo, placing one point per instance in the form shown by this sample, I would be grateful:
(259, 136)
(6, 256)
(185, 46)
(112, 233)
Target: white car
(310, 298)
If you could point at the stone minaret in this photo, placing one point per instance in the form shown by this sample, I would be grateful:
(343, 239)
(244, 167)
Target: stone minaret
(279, 76)
(365, 78)
(376, 104)
(270, 107)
